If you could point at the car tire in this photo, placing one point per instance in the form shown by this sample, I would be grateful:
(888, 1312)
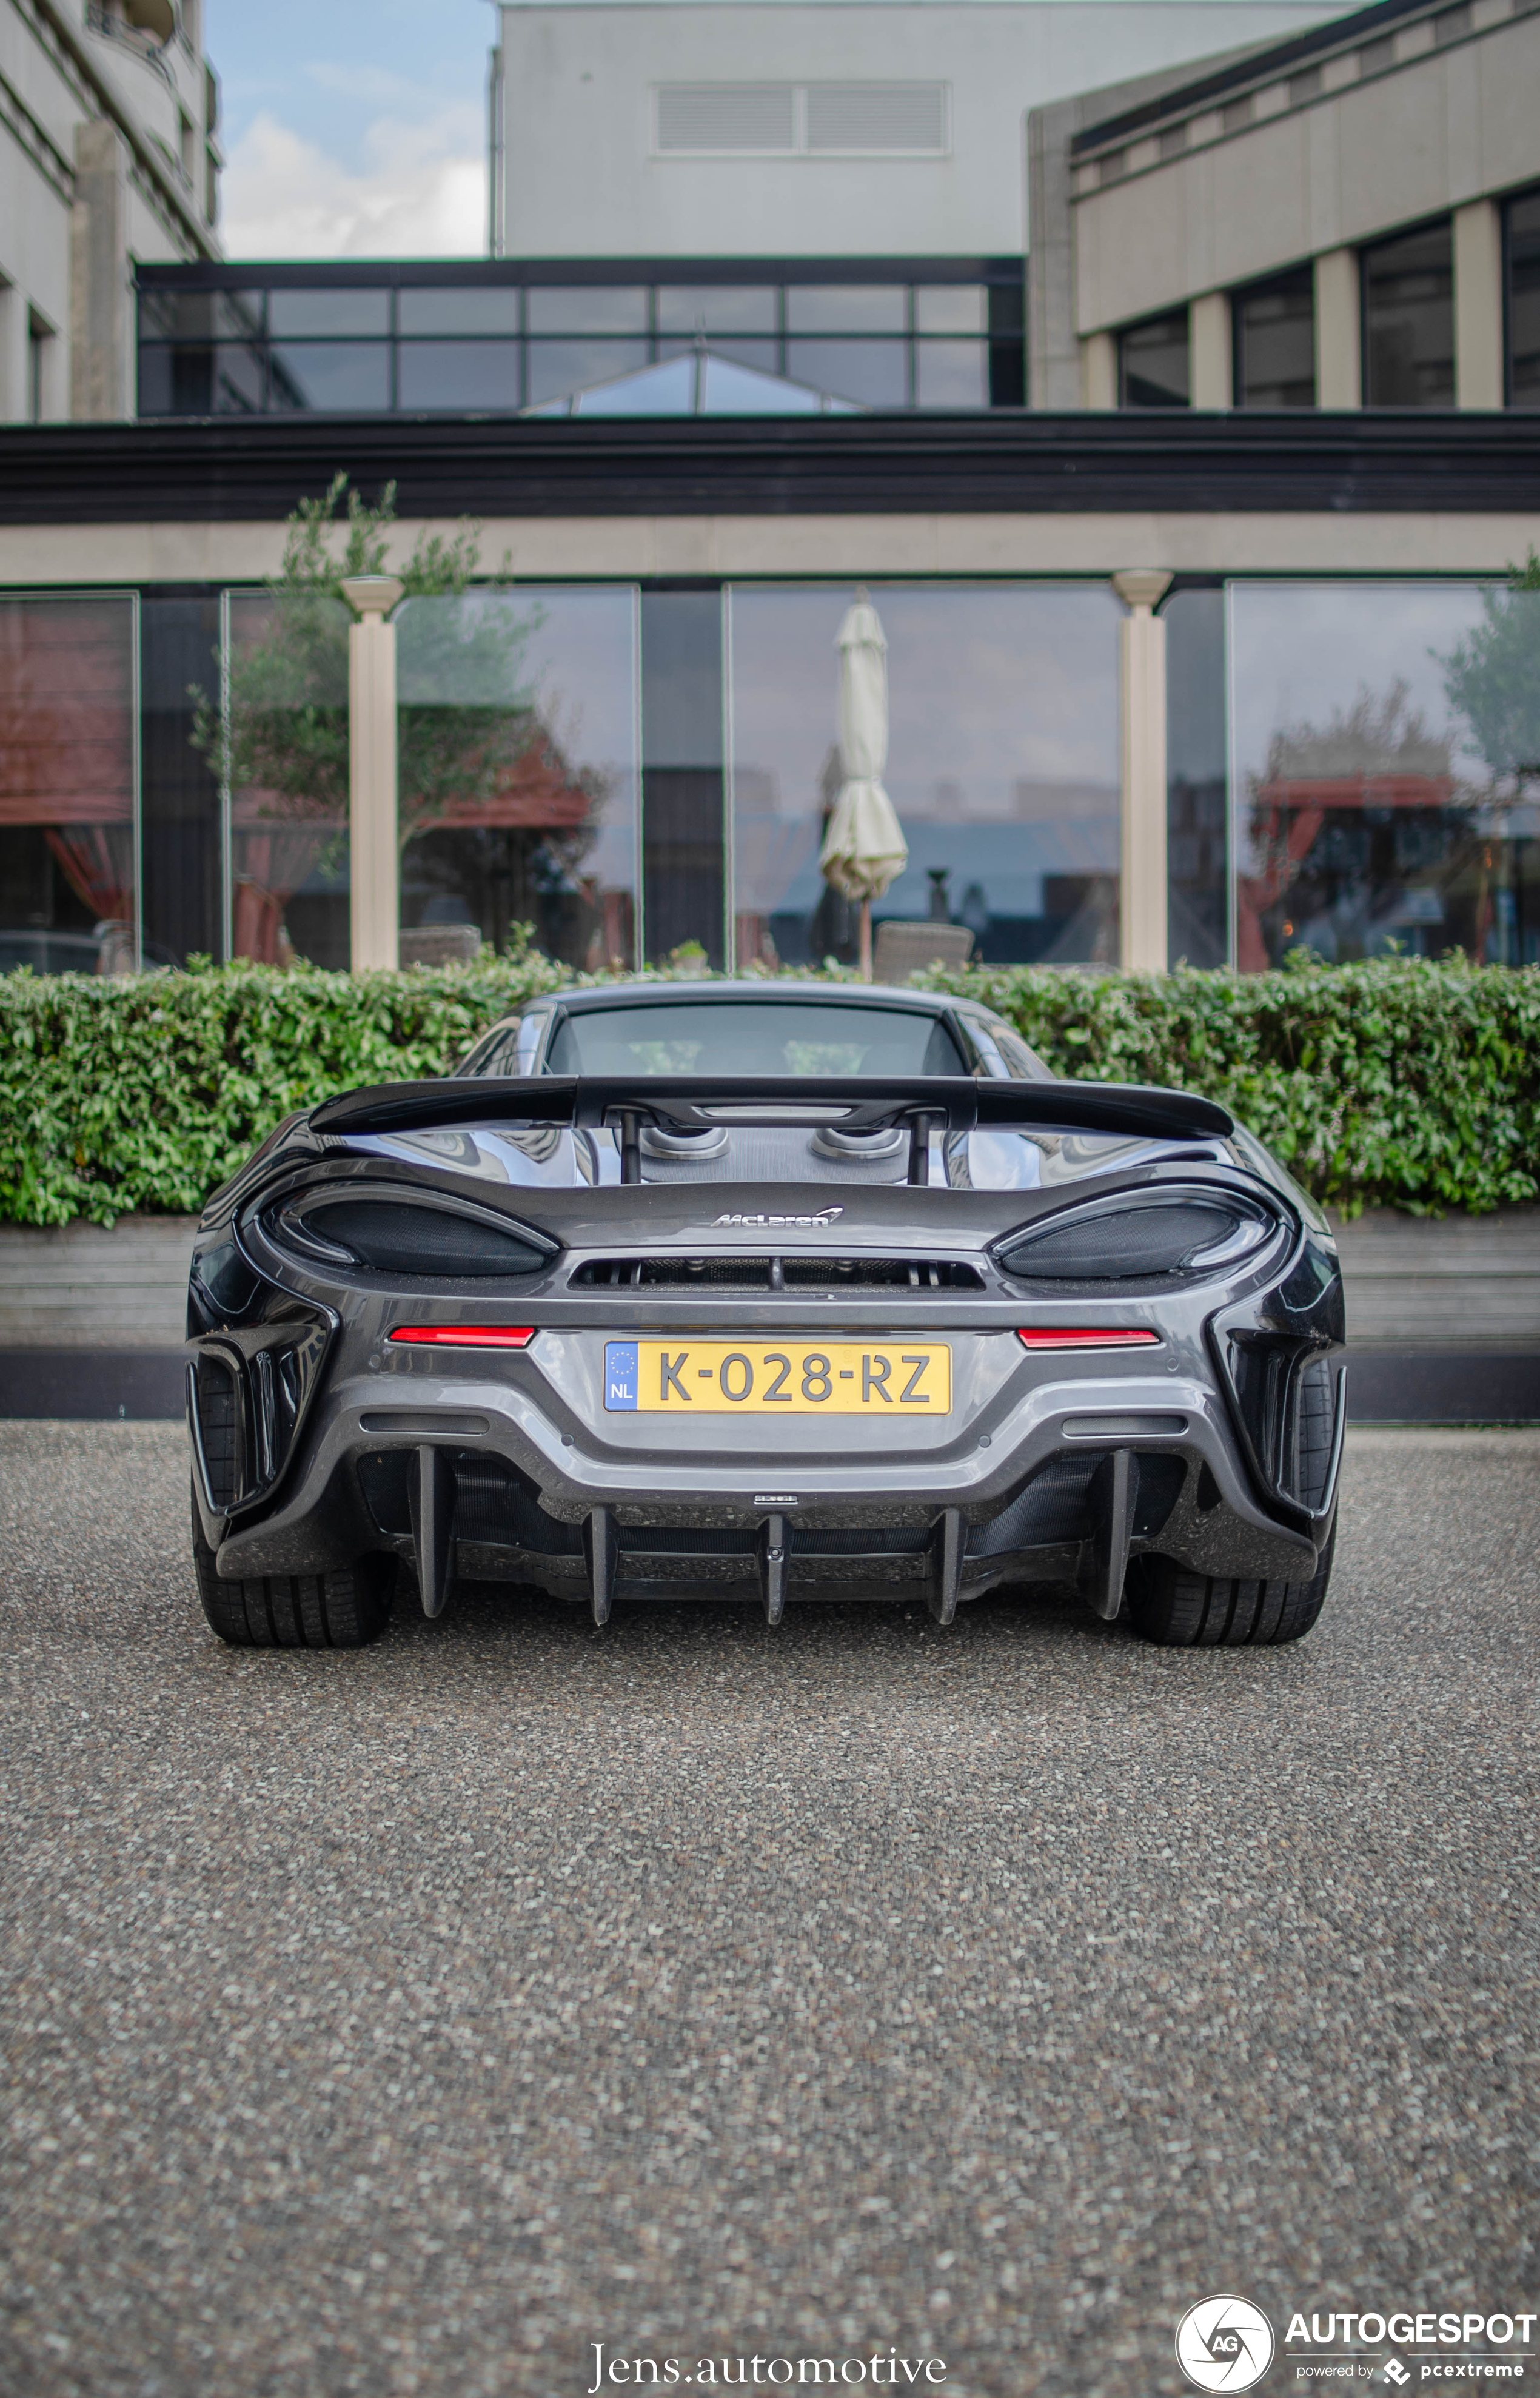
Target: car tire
(344, 1609)
(1178, 1610)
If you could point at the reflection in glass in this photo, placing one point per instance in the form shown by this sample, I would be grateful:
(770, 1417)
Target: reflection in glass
(587, 308)
(200, 379)
(1409, 320)
(1523, 309)
(519, 768)
(763, 357)
(557, 367)
(171, 315)
(951, 375)
(1152, 363)
(949, 308)
(716, 308)
(68, 737)
(1274, 330)
(1003, 764)
(288, 742)
(875, 374)
(463, 308)
(457, 374)
(331, 374)
(329, 311)
(846, 307)
(1383, 793)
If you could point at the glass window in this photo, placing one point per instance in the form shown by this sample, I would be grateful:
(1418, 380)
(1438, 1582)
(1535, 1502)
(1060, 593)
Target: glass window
(1151, 363)
(585, 308)
(457, 374)
(875, 374)
(287, 731)
(682, 784)
(949, 308)
(1197, 783)
(518, 767)
(331, 374)
(187, 379)
(846, 307)
(180, 839)
(1274, 330)
(1523, 312)
(763, 355)
(174, 315)
(69, 901)
(329, 311)
(716, 307)
(1383, 750)
(1003, 764)
(1409, 320)
(767, 1036)
(458, 308)
(558, 367)
(951, 375)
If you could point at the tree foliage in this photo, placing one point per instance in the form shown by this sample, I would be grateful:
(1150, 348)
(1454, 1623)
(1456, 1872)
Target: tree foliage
(286, 735)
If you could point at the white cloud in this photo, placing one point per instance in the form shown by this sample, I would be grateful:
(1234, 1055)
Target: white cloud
(422, 192)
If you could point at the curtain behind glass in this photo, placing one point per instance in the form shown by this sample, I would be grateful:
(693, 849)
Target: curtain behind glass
(68, 745)
(1003, 765)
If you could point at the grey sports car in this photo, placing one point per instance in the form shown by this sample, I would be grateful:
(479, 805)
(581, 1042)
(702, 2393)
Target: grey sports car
(764, 1291)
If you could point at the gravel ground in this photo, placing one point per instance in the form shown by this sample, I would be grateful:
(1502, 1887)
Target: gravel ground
(410, 2021)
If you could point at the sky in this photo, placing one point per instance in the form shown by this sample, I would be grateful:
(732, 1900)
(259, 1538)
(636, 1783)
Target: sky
(353, 128)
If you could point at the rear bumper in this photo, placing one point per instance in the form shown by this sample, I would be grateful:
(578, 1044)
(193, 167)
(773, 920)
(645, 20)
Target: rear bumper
(1035, 1495)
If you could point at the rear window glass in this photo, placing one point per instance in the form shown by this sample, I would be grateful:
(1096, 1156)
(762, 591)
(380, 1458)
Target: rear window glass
(753, 1037)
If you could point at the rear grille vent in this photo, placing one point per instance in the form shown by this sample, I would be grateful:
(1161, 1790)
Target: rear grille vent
(776, 1274)
(219, 1429)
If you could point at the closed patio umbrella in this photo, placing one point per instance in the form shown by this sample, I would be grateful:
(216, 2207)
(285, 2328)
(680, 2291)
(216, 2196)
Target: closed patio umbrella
(864, 850)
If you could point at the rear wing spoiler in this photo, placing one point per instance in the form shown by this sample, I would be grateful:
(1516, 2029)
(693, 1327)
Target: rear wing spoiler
(923, 1103)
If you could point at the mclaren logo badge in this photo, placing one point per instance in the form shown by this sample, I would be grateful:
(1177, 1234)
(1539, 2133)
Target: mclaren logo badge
(825, 1215)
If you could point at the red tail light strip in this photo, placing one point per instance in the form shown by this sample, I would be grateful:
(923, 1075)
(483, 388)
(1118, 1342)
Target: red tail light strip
(465, 1336)
(1089, 1337)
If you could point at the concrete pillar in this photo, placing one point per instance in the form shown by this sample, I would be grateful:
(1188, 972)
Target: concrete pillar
(1099, 371)
(1339, 330)
(14, 359)
(375, 873)
(1478, 306)
(1142, 656)
(1210, 350)
(102, 382)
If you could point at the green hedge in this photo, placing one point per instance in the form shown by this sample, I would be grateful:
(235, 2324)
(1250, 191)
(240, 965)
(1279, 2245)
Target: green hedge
(1397, 1083)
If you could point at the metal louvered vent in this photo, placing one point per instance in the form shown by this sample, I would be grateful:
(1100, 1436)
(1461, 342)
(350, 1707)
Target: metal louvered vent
(910, 116)
(778, 1273)
(726, 117)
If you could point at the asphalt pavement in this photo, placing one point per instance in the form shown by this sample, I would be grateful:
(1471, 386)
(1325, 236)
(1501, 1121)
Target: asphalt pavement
(410, 2021)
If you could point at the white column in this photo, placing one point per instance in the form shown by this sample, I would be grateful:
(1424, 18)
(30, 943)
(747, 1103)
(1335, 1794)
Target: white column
(373, 854)
(1478, 306)
(1141, 906)
(1209, 337)
(1099, 371)
(1339, 335)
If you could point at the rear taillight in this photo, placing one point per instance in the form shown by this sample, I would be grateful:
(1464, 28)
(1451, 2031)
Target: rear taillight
(1083, 1337)
(465, 1335)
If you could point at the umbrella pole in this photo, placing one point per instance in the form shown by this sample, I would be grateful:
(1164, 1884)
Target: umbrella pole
(866, 940)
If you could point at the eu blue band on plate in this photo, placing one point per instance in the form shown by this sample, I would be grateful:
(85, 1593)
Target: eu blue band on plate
(620, 1372)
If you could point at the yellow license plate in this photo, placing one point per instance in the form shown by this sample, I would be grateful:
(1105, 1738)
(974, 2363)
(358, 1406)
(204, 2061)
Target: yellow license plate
(794, 1377)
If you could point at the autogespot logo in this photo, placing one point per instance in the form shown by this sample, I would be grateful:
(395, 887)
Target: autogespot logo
(1224, 2344)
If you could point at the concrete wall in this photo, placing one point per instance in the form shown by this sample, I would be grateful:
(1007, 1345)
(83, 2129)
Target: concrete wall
(63, 271)
(1438, 128)
(582, 177)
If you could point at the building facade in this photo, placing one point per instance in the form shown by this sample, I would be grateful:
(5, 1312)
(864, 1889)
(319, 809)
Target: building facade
(109, 157)
(1346, 219)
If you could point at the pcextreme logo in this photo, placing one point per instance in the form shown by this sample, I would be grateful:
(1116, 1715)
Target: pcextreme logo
(1225, 2343)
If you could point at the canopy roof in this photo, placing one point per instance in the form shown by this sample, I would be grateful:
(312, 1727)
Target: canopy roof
(698, 383)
